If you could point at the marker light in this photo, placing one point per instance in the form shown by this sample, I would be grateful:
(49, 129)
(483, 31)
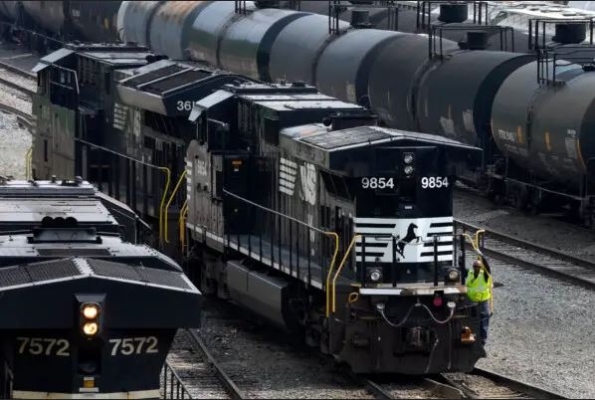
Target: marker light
(408, 158)
(409, 170)
(90, 311)
(90, 328)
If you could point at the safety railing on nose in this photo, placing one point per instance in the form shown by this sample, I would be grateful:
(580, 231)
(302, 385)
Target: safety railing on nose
(336, 276)
(283, 242)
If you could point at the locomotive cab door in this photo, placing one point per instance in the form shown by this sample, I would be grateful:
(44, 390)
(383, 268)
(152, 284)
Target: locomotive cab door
(234, 189)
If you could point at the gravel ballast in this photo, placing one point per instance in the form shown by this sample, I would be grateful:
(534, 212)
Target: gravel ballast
(14, 144)
(542, 329)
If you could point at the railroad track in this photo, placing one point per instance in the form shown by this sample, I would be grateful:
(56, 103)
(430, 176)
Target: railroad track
(484, 384)
(422, 387)
(20, 75)
(517, 251)
(22, 117)
(191, 372)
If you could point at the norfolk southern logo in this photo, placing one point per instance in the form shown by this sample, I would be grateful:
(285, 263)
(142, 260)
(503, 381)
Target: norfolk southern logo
(408, 239)
(412, 238)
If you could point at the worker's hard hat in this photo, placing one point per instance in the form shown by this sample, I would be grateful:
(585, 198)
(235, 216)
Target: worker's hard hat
(477, 263)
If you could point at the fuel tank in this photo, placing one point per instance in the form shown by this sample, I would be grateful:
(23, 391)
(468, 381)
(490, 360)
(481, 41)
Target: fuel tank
(547, 129)
(170, 26)
(246, 46)
(295, 53)
(9, 10)
(209, 27)
(95, 20)
(50, 15)
(394, 77)
(456, 94)
(345, 64)
(133, 20)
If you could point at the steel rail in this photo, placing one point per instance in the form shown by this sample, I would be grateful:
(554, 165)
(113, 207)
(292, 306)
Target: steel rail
(577, 270)
(503, 388)
(232, 389)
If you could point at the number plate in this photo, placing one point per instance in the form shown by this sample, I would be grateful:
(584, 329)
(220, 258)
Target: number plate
(433, 182)
(43, 346)
(133, 346)
(375, 183)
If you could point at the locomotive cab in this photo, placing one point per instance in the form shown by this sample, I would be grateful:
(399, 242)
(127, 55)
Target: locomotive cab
(403, 220)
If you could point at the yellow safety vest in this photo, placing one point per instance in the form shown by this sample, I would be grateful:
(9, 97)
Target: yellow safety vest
(478, 289)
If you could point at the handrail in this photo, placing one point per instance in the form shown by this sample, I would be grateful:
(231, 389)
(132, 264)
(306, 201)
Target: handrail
(28, 157)
(171, 198)
(162, 204)
(30, 163)
(274, 212)
(343, 261)
(177, 389)
(165, 170)
(330, 271)
(309, 227)
(181, 223)
(475, 240)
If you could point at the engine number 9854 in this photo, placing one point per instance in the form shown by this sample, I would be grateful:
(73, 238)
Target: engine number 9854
(378, 183)
(434, 182)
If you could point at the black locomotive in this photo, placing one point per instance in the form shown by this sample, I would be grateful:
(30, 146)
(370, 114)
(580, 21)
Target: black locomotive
(84, 312)
(130, 144)
(303, 210)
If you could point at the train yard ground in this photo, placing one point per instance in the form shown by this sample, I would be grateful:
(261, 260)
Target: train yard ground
(541, 331)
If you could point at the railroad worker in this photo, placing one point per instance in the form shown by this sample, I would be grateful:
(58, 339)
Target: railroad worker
(479, 290)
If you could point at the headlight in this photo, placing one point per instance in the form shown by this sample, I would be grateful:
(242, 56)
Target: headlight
(409, 170)
(375, 274)
(408, 158)
(90, 328)
(90, 311)
(453, 275)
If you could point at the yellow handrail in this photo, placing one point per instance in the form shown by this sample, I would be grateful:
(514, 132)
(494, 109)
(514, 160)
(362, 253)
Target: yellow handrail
(475, 239)
(181, 227)
(330, 270)
(28, 163)
(171, 198)
(162, 205)
(343, 261)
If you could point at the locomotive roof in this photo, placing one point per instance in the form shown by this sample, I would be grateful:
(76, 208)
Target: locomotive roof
(43, 291)
(28, 210)
(276, 97)
(114, 55)
(161, 86)
(319, 144)
(16, 249)
(35, 273)
(35, 189)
